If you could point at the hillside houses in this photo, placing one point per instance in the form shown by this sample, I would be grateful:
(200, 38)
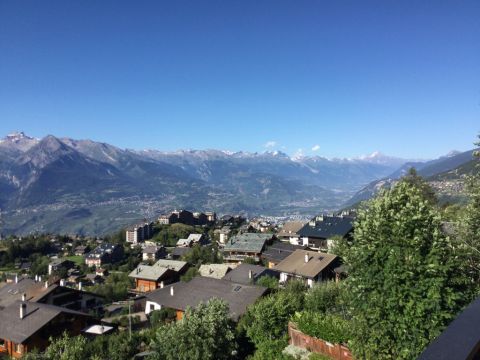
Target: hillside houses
(139, 233)
(289, 232)
(180, 296)
(187, 217)
(104, 254)
(308, 266)
(318, 233)
(246, 245)
(150, 277)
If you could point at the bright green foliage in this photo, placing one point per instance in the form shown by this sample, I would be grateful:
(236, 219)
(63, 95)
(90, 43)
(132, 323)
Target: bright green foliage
(267, 320)
(66, 348)
(331, 328)
(268, 281)
(161, 316)
(271, 350)
(326, 297)
(169, 234)
(401, 271)
(204, 333)
(468, 237)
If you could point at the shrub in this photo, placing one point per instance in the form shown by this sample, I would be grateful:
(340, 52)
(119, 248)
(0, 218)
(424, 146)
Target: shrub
(328, 327)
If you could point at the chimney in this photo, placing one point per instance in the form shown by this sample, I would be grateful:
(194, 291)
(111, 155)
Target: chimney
(171, 291)
(23, 310)
(16, 279)
(62, 282)
(250, 274)
(161, 284)
(39, 278)
(36, 278)
(80, 286)
(46, 284)
(307, 258)
(24, 297)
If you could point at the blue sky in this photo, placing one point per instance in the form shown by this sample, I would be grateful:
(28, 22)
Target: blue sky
(333, 78)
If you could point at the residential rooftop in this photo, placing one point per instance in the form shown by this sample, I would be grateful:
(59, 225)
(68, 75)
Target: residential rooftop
(247, 242)
(201, 289)
(326, 227)
(295, 263)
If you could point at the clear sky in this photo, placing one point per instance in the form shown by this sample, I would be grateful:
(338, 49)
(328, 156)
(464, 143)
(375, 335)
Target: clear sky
(334, 78)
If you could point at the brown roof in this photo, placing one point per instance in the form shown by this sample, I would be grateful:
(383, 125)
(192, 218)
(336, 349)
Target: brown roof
(295, 263)
(291, 228)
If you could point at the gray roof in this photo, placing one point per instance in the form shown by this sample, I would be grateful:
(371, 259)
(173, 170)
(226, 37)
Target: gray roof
(174, 265)
(216, 271)
(181, 251)
(241, 274)
(13, 291)
(37, 316)
(148, 272)
(295, 263)
(280, 250)
(201, 289)
(290, 228)
(184, 242)
(327, 227)
(195, 237)
(247, 242)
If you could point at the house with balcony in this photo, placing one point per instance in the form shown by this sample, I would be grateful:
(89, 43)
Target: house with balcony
(246, 245)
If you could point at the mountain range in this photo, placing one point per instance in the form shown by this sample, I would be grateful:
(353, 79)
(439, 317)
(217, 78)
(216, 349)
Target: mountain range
(64, 185)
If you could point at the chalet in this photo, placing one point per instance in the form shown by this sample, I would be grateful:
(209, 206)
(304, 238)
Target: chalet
(289, 232)
(81, 250)
(184, 243)
(104, 254)
(148, 278)
(247, 245)
(223, 234)
(197, 239)
(318, 234)
(60, 264)
(216, 271)
(180, 296)
(26, 325)
(153, 252)
(278, 251)
(309, 266)
(249, 274)
(50, 293)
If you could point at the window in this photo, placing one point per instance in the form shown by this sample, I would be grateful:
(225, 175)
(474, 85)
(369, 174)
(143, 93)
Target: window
(152, 307)
(2, 342)
(18, 348)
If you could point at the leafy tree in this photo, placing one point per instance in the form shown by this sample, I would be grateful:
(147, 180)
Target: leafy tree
(401, 273)
(66, 348)
(204, 333)
(419, 182)
(190, 274)
(326, 297)
(115, 287)
(199, 255)
(268, 281)
(468, 237)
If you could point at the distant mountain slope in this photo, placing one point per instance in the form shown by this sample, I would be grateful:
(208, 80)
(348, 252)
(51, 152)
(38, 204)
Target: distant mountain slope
(83, 186)
(435, 171)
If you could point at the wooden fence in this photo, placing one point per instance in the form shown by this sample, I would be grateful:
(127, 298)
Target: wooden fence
(334, 351)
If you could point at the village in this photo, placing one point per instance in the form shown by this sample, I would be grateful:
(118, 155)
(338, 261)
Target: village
(96, 287)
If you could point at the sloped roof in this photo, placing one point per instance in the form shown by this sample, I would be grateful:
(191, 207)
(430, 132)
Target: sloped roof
(201, 289)
(295, 263)
(241, 274)
(216, 271)
(247, 242)
(329, 227)
(34, 290)
(37, 316)
(148, 272)
(290, 228)
(195, 237)
(174, 265)
(280, 250)
(184, 242)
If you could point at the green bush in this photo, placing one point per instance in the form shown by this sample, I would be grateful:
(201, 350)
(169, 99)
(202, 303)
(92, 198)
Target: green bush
(328, 327)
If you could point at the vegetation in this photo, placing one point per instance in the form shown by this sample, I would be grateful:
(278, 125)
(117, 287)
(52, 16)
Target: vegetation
(401, 275)
(168, 235)
(199, 255)
(331, 328)
(204, 333)
(115, 287)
